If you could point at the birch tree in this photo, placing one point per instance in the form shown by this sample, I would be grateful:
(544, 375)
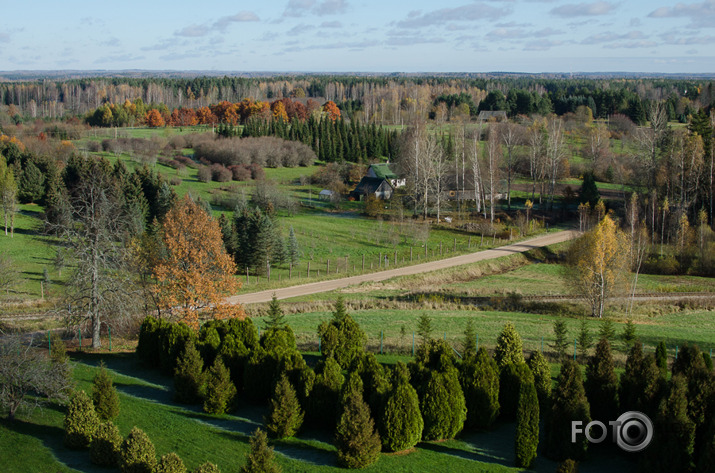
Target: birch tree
(492, 155)
(8, 196)
(555, 152)
(511, 135)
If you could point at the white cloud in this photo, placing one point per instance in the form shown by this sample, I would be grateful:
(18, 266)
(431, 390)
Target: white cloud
(331, 24)
(701, 14)
(608, 37)
(541, 45)
(243, 16)
(572, 10)
(297, 8)
(193, 31)
(4, 38)
(471, 12)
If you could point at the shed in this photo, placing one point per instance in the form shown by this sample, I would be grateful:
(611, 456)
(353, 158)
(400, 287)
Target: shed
(497, 115)
(378, 187)
(326, 194)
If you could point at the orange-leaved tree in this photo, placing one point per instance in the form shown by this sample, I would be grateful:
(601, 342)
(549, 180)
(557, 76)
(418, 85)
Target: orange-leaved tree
(331, 110)
(194, 273)
(153, 118)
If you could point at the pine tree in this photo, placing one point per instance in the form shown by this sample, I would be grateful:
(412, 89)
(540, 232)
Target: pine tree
(400, 421)
(324, 398)
(602, 383)
(274, 317)
(104, 447)
(469, 348)
(220, 390)
(341, 337)
(527, 426)
(629, 333)
(137, 453)
(509, 347)
(104, 395)
(81, 421)
(641, 384)
(424, 328)
(260, 458)
(673, 433)
(585, 340)
(568, 404)
(542, 377)
(188, 375)
(207, 467)
(480, 382)
(511, 378)
(357, 440)
(661, 358)
(293, 248)
(170, 463)
(561, 344)
(606, 330)
(285, 416)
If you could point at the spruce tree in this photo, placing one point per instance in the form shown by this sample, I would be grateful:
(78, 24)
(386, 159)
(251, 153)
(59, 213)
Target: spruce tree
(469, 348)
(137, 453)
(641, 384)
(424, 328)
(170, 463)
(275, 319)
(400, 421)
(207, 467)
(700, 383)
(511, 377)
(220, 390)
(342, 337)
(527, 426)
(188, 375)
(509, 347)
(606, 330)
(104, 395)
(357, 440)
(629, 333)
(260, 458)
(293, 248)
(285, 416)
(585, 340)
(104, 447)
(661, 358)
(325, 396)
(479, 378)
(568, 404)
(561, 344)
(673, 432)
(81, 421)
(442, 405)
(542, 377)
(602, 383)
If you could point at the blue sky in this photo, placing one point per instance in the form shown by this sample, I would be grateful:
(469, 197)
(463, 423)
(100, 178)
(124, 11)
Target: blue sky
(360, 35)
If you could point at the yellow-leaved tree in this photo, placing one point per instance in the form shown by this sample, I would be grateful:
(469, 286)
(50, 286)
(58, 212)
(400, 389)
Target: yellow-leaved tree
(194, 273)
(597, 264)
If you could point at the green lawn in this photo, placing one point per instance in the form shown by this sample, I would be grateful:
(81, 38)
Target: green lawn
(35, 439)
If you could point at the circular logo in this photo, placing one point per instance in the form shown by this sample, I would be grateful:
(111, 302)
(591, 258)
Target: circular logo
(634, 431)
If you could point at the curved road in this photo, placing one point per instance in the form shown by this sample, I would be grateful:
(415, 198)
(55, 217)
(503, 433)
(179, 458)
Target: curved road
(325, 286)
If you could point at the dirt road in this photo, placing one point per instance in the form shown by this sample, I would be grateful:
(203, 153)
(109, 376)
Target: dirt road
(325, 286)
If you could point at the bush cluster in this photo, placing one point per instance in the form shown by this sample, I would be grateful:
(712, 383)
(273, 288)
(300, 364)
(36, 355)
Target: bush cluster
(265, 151)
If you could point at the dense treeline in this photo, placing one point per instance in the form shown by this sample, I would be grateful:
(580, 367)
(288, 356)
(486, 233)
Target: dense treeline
(382, 99)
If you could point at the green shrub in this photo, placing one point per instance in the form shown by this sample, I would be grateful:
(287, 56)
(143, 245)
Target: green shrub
(137, 453)
(243, 330)
(442, 405)
(601, 384)
(81, 421)
(260, 458)
(641, 385)
(174, 337)
(527, 426)
(568, 404)
(542, 377)
(400, 421)
(700, 382)
(567, 466)
(234, 355)
(357, 441)
(325, 396)
(104, 395)
(300, 375)
(374, 379)
(342, 338)
(661, 358)
(285, 416)
(509, 347)
(104, 447)
(209, 344)
(511, 377)
(188, 375)
(561, 344)
(479, 377)
(279, 342)
(170, 463)
(259, 375)
(207, 468)
(149, 346)
(220, 391)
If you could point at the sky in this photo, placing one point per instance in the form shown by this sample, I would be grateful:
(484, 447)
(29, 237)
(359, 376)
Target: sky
(532, 36)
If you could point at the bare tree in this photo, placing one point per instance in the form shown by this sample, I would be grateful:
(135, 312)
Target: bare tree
(512, 136)
(555, 152)
(94, 227)
(476, 170)
(492, 156)
(537, 153)
(8, 196)
(9, 275)
(28, 377)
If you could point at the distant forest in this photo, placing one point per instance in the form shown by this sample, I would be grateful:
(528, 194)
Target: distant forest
(384, 100)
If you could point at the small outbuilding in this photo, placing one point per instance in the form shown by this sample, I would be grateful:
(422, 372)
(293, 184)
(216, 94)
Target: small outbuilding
(325, 194)
(375, 186)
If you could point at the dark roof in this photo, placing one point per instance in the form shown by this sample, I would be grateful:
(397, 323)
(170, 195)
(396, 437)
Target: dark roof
(369, 185)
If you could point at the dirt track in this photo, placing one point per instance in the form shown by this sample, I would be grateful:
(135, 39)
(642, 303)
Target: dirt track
(325, 286)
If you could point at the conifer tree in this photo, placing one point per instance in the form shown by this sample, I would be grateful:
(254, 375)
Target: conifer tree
(424, 328)
(480, 382)
(509, 347)
(341, 337)
(188, 375)
(104, 447)
(568, 404)
(561, 344)
(511, 377)
(641, 384)
(220, 390)
(104, 395)
(170, 463)
(137, 453)
(207, 467)
(673, 432)
(606, 330)
(700, 383)
(542, 377)
(469, 348)
(400, 422)
(81, 421)
(293, 248)
(629, 333)
(275, 318)
(357, 440)
(602, 383)
(442, 404)
(527, 426)
(661, 358)
(585, 339)
(260, 458)
(325, 396)
(285, 416)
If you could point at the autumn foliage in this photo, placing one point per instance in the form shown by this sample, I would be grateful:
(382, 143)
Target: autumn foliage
(153, 118)
(331, 110)
(196, 272)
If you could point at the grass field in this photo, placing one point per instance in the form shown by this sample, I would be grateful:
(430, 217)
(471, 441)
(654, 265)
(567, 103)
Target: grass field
(36, 439)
